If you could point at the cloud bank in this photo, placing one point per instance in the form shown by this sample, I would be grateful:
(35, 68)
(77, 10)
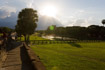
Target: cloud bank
(5, 11)
(9, 10)
(45, 21)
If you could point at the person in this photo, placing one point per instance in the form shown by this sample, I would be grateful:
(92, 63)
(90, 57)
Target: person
(4, 38)
(9, 41)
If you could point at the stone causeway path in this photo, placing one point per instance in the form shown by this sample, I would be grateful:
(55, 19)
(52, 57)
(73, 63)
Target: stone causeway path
(16, 59)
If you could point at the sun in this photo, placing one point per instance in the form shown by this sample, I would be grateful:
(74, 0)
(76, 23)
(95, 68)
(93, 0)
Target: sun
(49, 10)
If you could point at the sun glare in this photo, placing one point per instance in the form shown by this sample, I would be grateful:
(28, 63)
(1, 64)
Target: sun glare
(50, 11)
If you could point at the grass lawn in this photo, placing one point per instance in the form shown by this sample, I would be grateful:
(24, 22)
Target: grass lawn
(32, 37)
(74, 56)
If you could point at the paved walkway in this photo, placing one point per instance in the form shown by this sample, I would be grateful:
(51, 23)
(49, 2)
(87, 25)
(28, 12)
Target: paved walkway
(17, 59)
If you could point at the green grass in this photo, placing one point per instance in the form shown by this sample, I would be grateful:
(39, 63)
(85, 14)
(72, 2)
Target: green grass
(36, 38)
(1, 34)
(75, 56)
(32, 37)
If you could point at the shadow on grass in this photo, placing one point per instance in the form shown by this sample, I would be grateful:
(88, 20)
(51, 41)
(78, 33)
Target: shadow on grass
(75, 45)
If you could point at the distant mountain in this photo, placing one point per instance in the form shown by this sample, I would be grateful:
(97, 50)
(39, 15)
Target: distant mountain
(9, 21)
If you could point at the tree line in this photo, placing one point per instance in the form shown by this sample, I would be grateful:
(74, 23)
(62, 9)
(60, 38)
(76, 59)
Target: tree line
(92, 32)
(6, 30)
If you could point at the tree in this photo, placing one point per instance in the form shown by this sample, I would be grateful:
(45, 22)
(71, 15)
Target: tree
(18, 31)
(26, 23)
(94, 32)
(103, 21)
(77, 32)
(6, 29)
(60, 31)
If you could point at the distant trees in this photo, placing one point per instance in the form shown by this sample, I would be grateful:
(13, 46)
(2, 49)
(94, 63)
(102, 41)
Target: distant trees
(51, 30)
(103, 21)
(92, 32)
(26, 23)
(77, 32)
(60, 31)
(6, 29)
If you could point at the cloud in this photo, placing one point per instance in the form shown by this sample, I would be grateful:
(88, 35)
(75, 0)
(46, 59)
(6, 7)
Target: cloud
(45, 21)
(30, 4)
(83, 22)
(5, 11)
(17, 4)
(42, 24)
(69, 17)
(10, 9)
(9, 21)
(81, 18)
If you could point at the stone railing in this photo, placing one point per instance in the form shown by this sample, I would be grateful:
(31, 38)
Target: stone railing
(62, 41)
(35, 60)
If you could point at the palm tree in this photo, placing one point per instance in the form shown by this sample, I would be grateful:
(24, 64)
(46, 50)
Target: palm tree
(103, 22)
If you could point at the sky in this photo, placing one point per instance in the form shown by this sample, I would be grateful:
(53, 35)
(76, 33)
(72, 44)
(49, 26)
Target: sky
(69, 12)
